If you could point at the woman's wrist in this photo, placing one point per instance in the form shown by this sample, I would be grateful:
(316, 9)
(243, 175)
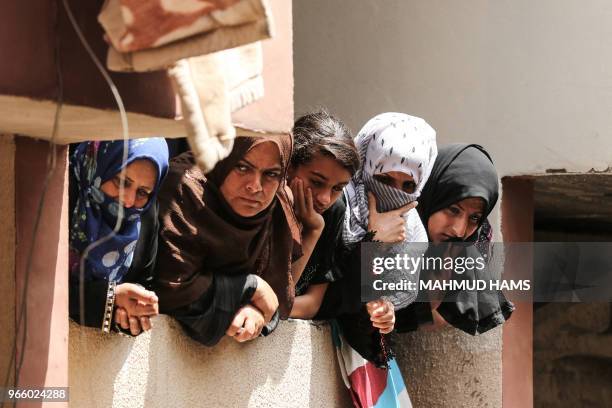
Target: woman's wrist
(312, 231)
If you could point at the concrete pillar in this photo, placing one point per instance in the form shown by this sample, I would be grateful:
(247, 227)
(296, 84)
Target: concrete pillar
(448, 368)
(517, 226)
(43, 352)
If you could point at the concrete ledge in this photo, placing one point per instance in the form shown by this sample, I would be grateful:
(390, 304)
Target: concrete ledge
(294, 367)
(449, 368)
(26, 116)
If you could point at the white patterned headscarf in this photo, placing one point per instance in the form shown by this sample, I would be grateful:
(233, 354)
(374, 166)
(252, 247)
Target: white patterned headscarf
(389, 142)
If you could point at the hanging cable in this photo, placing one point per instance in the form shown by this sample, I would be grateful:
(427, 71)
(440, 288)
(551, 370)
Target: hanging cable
(125, 134)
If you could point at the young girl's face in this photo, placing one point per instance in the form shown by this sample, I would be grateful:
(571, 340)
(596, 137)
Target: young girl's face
(325, 176)
(457, 221)
(398, 180)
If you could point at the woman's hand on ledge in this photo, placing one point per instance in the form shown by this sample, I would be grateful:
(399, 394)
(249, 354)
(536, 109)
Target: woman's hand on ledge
(247, 324)
(134, 324)
(136, 300)
(134, 307)
(382, 315)
(265, 299)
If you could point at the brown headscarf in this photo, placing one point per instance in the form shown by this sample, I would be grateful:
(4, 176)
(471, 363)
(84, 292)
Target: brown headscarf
(201, 235)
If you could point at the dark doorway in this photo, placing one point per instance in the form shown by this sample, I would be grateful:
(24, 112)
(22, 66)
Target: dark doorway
(572, 341)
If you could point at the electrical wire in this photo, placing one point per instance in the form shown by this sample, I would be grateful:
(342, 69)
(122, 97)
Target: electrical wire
(125, 131)
(125, 135)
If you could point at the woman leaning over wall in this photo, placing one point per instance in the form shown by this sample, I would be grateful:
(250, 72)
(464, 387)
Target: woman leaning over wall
(227, 242)
(396, 153)
(461, 193)
(108, 269)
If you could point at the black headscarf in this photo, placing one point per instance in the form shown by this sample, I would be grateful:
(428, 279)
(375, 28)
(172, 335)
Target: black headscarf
(461, 171)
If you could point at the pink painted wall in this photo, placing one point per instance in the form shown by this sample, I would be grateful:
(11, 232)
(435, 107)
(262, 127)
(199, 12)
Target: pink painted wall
(517, 350)
(29, 40)
(45, 353)
(274, 112)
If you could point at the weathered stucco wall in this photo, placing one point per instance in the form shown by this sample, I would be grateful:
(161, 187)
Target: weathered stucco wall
(293, 367)
(531, 81)
(274, 112)
(449, 368)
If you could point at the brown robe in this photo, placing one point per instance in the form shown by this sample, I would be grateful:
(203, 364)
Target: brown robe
(203, 241)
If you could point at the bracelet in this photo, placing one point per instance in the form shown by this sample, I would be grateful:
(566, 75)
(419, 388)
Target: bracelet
(108, 309)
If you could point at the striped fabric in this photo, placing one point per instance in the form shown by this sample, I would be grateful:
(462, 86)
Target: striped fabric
(369, 386)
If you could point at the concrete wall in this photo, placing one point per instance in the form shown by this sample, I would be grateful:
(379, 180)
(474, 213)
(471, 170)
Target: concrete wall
(293, 367)
(531, 81)
(449, 368)
(274, 112)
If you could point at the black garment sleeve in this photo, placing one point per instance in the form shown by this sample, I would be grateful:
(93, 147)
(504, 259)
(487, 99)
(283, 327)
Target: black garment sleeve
(95, 301)
(475, 311)
(145, 253)
(270, 327)
(365, 339)
(412, 316)
(344, 295)
(323, 265)
(207, 319)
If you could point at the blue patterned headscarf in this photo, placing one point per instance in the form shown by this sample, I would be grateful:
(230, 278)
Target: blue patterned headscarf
(95, 214)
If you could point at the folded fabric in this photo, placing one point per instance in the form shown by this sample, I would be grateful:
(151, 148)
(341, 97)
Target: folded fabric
(145, 37)
(218, 78)
(229, 79)
(210, 87)
(243, 74)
